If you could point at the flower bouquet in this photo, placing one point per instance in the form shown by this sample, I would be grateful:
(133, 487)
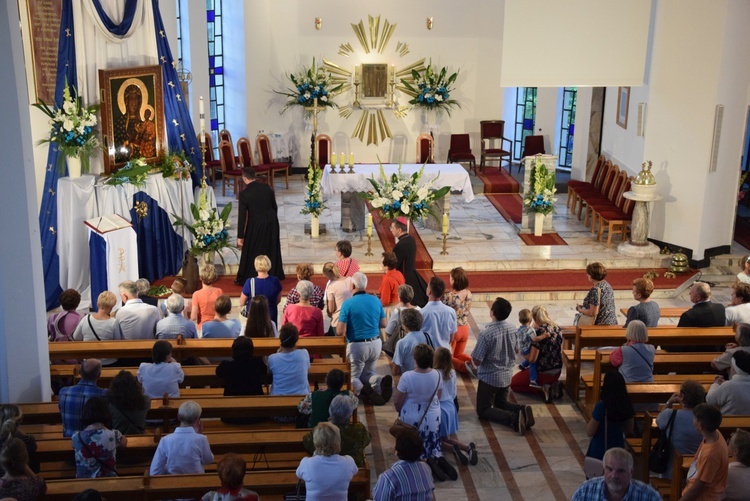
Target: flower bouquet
(309, 84)
(72, 129)
(402, 194)
(313, 194)
(175, 164)
(209, 228)
(540, 198)
(134, 172)
(431, 89)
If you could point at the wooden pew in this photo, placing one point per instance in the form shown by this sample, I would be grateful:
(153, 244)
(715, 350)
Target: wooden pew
(268, 484)
(201, 375)
(683, 364)
(189, 348)
(595, 336)
(664, 312)
(213, 407)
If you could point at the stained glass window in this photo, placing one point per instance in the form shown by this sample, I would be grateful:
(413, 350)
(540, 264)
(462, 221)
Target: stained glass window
(525, 118)
(214, 18)
(567, 126)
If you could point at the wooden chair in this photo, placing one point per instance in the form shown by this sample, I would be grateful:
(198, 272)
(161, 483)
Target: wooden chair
(246, 160)
(265, 157)
(598, 204)
(229, 168)
(574, 184)
(324, 149)
(619, 217)
(532, 145)
(494, 130)
(460, 151)
(425, 149)
(212, 165)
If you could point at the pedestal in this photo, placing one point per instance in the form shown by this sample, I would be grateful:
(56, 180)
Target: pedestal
(353, 211)
(638, 245)
(527, 219)
(438, 208)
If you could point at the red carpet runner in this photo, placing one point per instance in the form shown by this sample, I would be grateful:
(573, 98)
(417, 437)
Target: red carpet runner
(545, 239)
(509, 205)
(498, 181)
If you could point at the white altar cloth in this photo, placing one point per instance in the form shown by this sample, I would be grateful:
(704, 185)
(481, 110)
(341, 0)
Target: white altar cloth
(453, 175)
(81, 199)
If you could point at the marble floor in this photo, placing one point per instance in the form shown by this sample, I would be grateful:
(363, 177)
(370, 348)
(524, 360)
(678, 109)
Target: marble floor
(546, 463)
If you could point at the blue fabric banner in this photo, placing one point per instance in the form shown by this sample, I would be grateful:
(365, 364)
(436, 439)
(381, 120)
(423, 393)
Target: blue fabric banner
(98, 251)
(127, 20)
(159, 245)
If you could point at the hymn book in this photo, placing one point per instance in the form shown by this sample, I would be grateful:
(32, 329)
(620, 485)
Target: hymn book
(105, 224)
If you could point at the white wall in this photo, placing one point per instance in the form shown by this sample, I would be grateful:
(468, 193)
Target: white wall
(281, 37)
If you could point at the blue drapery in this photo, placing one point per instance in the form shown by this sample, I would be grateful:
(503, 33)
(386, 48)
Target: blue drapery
(66, 71)
(98, 252)
(181, 137)
(127, 21)
(160, 253)
(180, 131)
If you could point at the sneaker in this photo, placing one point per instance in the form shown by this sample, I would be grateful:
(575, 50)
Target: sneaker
(529, 415)
(546, 389)
(522, 367)
(473, 457)
(437, 472)
(520, 423)
(534, 384)
(370, 395)
(471, 369)
(460, 456)
(447, 468)
(386, 388)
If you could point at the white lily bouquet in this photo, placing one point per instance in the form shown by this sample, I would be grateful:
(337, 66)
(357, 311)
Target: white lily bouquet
(541, 197)
(314, 204)
(401, 194)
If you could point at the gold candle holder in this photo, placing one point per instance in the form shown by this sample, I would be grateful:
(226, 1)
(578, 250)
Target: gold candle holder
(444, 252)
(356, 104)
(203, 160)
(351, 169)
(369, 246)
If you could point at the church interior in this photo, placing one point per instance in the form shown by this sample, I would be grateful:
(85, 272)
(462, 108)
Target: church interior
(658, 88)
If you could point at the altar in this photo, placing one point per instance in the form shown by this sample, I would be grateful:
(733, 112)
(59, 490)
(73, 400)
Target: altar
(160, 245)
(353, 208)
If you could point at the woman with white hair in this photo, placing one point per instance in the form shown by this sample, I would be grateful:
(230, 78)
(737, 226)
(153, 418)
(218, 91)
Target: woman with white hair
(100, 326)
(327, 474)
(307, 318)
(354, 436)
(635, 359)
(187, 449)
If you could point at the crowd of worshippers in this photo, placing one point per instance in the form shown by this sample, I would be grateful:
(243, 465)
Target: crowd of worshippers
(426, 349)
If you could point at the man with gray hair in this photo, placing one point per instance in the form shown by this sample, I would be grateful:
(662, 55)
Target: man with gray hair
(186, 450)
(617, 483)
(137, 319)
(360, 321)
(175, 324)
(143, 286)
(73, 398)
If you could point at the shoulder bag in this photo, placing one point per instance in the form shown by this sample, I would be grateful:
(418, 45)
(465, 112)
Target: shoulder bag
(246, 308)
(399, 426)
(91, 326)
(658, 458)
(581, 319)
(389, 347)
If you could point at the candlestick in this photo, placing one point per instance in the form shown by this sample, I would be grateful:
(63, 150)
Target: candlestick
(333, 160)
(200, 105)
(369, 225)
(445, 223)
(342, 163)
(444, 252)
(203, 137)
(351, 158)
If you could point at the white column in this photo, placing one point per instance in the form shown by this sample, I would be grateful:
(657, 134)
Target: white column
(24, 356)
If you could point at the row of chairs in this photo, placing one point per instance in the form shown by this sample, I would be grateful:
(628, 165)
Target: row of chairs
(230, 165)
(604, 200)
(491, 131)
(425, 149)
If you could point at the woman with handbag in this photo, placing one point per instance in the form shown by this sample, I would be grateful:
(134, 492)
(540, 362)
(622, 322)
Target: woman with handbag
(96, 445)
(100, 326)
(395, 329)
(598, 306)
(683, 436)
(611, 419)
(417, 400)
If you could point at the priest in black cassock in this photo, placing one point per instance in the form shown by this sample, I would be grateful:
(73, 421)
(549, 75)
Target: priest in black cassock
(406, 254)
(257, 228)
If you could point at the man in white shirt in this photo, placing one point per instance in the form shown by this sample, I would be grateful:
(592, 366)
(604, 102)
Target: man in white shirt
(175, 324)
(738, 311)
(137, 319)
(186, 450)
(438, 319)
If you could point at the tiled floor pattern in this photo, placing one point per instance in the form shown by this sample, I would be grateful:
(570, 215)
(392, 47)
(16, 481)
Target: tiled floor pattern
(546, 463)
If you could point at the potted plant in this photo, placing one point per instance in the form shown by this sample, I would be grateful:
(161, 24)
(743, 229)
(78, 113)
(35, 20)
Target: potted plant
(540, 199)
(314, 204)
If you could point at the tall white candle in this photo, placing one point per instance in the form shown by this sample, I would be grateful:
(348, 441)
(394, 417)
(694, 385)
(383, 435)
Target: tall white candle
(202, 114)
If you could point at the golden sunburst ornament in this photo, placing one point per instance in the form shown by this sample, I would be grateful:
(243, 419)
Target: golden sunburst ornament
(372, 123)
